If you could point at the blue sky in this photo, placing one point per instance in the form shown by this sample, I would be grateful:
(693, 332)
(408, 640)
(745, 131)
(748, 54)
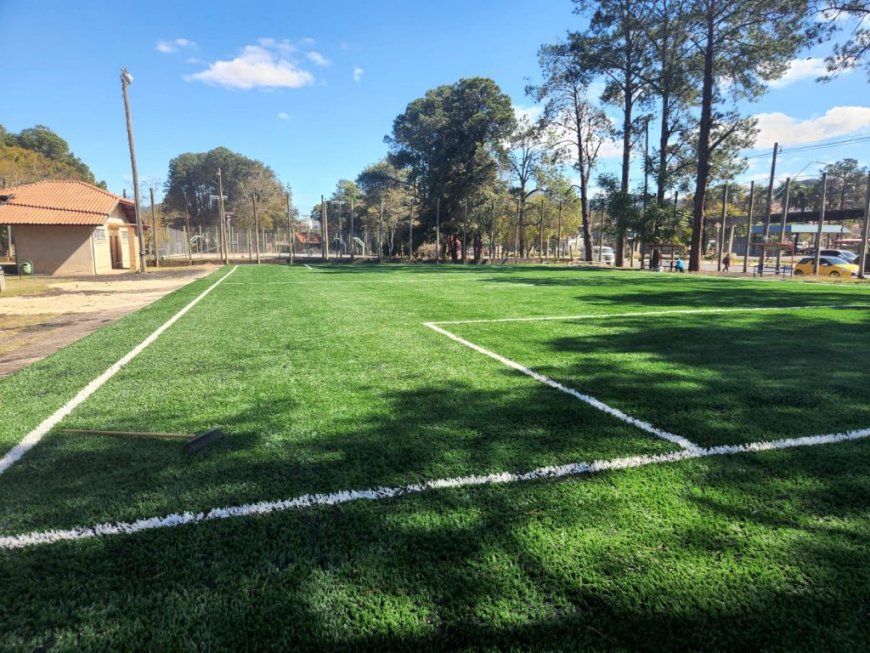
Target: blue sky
(311, 88)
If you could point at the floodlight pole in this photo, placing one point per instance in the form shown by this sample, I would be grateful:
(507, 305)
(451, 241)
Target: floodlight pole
(352, 236)
(865, 232)
(126, 79)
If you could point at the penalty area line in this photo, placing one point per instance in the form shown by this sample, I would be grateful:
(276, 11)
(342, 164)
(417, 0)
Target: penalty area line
(31, 439)
(36, 538)
(686, 311)
(588, 399)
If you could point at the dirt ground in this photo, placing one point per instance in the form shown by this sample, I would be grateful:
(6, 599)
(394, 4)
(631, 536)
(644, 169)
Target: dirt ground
(40, 315)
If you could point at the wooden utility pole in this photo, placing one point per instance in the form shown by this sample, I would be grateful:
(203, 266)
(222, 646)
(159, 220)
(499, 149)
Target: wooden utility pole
(783, 222)
(290, 234)
(865, 234)
(324, 232)
(517, 236)
(154, 230)
(559, 234)
(437, 231)
(410, 235)
(770, 196)
(749, 227)
(126, 80)
(222, 230)
(352, 236)
(187, 235)
(381, 233)
(722, 226)
(541, 234)
(821, 224)
(256, 227)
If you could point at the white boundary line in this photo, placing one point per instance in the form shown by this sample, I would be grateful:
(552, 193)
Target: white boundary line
(31, 439)
(592, 401)
(687, 311)
(308, 266)
(35, 538)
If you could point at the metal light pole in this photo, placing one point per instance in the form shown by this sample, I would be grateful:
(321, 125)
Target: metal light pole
(126, 80)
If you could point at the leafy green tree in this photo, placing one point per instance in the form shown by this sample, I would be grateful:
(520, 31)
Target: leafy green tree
(847, 17)
(37, 154)
(192, 184)
(742, 44)
(584, 127)
(614, 46)
(451, 141)
(847, 183)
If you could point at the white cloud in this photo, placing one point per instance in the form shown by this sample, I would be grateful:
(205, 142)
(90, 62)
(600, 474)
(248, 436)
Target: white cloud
(531, 112)
(357, 73)
(256, 67)
(283, 115)
(318, 58)
(811, 67)
(173, 46)
(307, 41)
(836, 122)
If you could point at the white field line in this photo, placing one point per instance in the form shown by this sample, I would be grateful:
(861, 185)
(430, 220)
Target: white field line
(686, 311)
(592, 401)
(30, 440)
(35, 538)
(308, 266)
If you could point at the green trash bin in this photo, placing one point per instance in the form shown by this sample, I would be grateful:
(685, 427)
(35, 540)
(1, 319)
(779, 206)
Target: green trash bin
(27, 267)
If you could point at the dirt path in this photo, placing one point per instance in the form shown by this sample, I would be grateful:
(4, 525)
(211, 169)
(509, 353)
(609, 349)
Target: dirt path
(49, 315)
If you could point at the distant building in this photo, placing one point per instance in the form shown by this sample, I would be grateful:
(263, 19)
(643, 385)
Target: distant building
(71, 227)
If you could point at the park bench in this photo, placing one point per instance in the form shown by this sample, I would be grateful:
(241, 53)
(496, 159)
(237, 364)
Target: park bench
(783, 270)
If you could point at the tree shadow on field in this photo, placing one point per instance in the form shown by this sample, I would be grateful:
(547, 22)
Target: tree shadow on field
(271, 452)
(628, 560)
(758, 377)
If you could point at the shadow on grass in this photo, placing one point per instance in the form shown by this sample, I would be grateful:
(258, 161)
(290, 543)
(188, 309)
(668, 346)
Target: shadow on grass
(667, 558)
(272, 452)
(726, 380)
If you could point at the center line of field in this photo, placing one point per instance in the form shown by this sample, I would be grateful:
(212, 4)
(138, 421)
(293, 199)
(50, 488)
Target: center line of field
(681, 311)
(31, 439)
(592, 401)
(35, 538)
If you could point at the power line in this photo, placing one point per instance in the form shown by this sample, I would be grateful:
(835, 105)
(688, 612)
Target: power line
(817, 146)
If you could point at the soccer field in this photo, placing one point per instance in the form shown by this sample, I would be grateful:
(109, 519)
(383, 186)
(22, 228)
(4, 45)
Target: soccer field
(446, 457)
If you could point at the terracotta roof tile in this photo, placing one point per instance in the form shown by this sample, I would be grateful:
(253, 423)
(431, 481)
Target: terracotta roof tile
(60, 202)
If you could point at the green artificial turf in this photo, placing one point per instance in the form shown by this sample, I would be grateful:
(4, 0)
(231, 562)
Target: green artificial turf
(327, 379)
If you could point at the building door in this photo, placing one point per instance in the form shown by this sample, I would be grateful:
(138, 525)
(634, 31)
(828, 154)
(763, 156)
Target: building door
(115, 248)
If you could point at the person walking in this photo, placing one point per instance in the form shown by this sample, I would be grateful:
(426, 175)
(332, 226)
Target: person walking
(726, 262)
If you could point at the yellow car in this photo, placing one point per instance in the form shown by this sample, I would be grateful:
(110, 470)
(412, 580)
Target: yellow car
(829, 266)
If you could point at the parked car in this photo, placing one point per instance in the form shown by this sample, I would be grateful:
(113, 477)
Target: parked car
(845, 254)
(829, 266)
(603, 254)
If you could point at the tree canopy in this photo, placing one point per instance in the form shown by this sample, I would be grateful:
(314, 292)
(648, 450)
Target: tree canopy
(36, 154)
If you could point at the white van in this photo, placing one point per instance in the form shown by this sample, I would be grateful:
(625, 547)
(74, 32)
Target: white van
(603, 254)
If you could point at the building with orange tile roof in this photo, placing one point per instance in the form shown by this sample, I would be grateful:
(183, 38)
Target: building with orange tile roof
(70, 227)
